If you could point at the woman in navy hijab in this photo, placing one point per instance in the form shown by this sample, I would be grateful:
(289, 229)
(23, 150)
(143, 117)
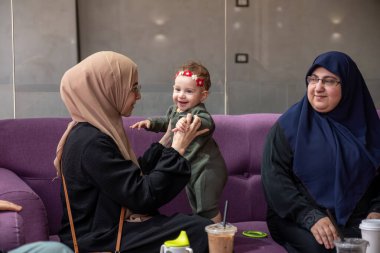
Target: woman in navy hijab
(324, 154)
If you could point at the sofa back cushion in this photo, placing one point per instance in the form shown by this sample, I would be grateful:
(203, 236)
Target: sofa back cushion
(12, 230)
(27, 147)
(241, 139)
(33, 213)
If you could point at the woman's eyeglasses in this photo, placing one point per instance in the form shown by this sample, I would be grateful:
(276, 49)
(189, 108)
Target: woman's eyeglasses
(136, 89)
(328, 81)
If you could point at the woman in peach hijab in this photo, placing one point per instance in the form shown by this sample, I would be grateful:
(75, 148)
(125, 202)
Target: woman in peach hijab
(102, 173)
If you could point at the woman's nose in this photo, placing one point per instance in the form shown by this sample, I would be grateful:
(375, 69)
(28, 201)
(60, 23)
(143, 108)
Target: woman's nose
(319, 85)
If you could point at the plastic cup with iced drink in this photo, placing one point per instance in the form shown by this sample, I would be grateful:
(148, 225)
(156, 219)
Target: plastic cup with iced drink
(351, 245)
(221, 238)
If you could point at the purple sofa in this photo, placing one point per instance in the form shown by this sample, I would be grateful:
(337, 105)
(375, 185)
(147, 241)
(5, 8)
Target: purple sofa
(27, 150)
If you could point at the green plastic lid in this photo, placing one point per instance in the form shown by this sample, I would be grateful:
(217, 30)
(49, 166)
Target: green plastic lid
(254, 234)
(181, 241)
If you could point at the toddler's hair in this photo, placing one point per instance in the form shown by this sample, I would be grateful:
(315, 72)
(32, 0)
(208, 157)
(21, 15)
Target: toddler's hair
(199, 70)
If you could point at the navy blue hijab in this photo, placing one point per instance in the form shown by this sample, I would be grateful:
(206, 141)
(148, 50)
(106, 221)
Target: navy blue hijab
(336, 154)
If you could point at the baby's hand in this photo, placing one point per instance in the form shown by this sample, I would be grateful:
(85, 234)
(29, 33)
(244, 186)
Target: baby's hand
(141, 124)
(182, 125)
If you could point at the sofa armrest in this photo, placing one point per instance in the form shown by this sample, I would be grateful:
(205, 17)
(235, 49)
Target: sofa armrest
(11, 230)
(34, 225)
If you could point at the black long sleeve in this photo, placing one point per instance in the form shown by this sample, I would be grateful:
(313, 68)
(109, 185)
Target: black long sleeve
(121, 180)
(375, 194)
(284, 193)
(95, 169)
(150, 158)
(100, 181)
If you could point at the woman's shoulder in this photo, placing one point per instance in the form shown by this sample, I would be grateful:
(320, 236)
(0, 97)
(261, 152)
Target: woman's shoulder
(276, 135)
(275, 130)
(87, 134)
(85, 129)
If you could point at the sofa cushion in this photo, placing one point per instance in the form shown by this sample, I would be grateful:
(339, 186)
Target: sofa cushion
(14, 189)
(11, 230)
(257, 245)
(28, 149)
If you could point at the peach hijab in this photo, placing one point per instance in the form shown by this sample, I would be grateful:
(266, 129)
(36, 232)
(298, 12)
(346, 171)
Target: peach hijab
(95, 91)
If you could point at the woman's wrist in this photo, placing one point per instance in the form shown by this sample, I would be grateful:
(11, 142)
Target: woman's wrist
(179, 149)
(165, 142)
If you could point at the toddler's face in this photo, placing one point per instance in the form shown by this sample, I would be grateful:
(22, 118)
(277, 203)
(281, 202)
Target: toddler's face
(186, 94)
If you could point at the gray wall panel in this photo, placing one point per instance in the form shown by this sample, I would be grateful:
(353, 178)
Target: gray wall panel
(45, 47)
(159, 36)
(282, 38)
(6, 62)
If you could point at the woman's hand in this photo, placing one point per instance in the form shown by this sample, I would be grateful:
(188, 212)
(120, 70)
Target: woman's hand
(181, 125)
(181, 140)
(9, 206)
(324, 232)
(373, 215)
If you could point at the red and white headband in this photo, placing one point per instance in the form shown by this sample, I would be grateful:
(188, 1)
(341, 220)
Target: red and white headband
(198, 80)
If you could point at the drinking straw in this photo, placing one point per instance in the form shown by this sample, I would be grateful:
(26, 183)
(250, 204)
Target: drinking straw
(335, 225)
(225, 213)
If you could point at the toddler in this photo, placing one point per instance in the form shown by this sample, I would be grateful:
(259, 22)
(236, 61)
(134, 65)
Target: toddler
(208, 168)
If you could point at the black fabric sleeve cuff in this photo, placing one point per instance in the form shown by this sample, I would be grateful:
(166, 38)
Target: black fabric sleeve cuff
(311, 218)
(375, 208)
(150, 158)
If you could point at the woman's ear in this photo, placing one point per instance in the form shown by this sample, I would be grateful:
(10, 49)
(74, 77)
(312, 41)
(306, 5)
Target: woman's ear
(204, 95)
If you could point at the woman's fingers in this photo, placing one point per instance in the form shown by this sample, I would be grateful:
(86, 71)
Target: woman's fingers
(200, 132)
(195, 126)
(188, 118)
(373, 215)
(328, 237)
(324, 232)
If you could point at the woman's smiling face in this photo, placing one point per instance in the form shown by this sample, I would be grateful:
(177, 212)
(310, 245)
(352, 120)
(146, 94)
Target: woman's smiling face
(324, 98)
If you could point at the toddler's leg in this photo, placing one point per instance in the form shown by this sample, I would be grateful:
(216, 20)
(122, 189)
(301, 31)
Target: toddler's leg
(207, 191)
(217, 218)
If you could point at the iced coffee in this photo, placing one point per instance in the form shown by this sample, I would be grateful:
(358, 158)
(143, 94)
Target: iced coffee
(221, 238)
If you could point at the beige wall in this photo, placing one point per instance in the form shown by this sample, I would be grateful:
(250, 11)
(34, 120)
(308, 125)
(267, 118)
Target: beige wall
(281, 37)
